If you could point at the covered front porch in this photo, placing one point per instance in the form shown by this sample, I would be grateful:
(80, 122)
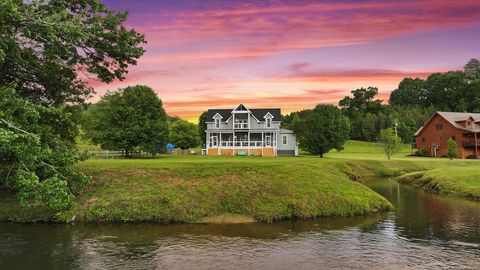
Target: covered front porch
(470, 143)
(248, 143)
(242, 139)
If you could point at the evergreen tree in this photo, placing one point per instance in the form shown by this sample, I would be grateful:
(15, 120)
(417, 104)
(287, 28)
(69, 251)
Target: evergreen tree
(202, 126)
(452, 149)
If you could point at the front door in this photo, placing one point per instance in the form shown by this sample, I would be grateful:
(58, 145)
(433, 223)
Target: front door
(214, 141)
(268, 141)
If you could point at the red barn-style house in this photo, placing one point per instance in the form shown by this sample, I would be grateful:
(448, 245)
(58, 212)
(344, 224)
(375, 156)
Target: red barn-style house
(461, 127)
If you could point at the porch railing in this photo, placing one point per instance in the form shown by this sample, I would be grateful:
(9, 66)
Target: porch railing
(240, 125)
(227, 144)
(470, 142)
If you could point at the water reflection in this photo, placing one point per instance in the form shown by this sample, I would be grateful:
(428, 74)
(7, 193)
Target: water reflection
(425, 231)
(422, 215)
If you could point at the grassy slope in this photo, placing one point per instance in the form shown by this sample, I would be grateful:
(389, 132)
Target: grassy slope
(240, 189)
(189, 189)
(452, 180)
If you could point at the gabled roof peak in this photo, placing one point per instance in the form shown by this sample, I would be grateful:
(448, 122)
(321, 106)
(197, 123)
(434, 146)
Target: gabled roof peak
(217, 115)
(241, 108)
(268, 115)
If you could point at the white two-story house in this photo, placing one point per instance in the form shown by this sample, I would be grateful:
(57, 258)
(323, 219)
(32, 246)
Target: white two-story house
(252, 132)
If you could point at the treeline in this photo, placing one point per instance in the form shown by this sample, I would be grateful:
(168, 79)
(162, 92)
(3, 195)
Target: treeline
(457, 91)
(409, 106)
(133, 118)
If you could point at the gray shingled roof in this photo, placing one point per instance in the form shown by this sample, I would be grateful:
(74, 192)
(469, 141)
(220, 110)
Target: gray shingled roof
(455, 117)
(225, 113)
(258, 113)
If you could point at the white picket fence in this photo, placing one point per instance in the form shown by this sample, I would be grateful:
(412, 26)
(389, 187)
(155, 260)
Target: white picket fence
(106, 154)
(109, 154)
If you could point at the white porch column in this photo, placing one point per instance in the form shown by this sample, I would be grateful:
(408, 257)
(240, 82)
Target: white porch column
(276, 142)
(262, 143)
(219, 143)
(233, 149)
(248, 149)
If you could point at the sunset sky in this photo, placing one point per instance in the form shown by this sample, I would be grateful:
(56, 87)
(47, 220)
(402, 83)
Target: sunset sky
(291, 54)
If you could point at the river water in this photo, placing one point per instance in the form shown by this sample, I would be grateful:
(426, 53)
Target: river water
(425, 231)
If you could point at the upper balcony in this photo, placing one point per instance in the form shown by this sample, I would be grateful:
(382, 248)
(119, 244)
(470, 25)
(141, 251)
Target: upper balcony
(240, 125)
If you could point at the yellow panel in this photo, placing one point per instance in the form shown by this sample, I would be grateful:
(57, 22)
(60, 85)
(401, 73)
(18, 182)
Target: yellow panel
(212, 152)
(268, 152)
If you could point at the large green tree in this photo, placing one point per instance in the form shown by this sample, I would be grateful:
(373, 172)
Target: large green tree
(184, 134)
(409, 92)
(35, 159)
(446, 91)
(364, 112)
(44, 45)
(325, 128)
(362, 101)
(129, 118)
(472, 69)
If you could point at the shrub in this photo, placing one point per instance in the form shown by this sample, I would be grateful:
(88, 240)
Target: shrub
(423, 152)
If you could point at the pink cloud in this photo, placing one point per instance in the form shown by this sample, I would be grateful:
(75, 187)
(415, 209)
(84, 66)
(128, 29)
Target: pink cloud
(253, 31)
(269, 55)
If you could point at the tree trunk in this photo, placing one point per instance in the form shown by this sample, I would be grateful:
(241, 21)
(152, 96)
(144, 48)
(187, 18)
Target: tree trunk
(321, 155)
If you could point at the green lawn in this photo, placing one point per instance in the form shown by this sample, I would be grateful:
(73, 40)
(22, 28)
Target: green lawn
(184, 188)
(366, 150)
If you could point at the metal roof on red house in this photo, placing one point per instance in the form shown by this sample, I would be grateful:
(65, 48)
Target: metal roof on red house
(455, 118)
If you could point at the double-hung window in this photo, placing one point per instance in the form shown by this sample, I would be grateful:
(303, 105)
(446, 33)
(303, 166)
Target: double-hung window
(217, 122)
(284, 139)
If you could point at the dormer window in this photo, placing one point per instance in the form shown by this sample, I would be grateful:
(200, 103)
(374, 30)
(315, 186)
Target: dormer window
(268, 120)
(216, 120)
